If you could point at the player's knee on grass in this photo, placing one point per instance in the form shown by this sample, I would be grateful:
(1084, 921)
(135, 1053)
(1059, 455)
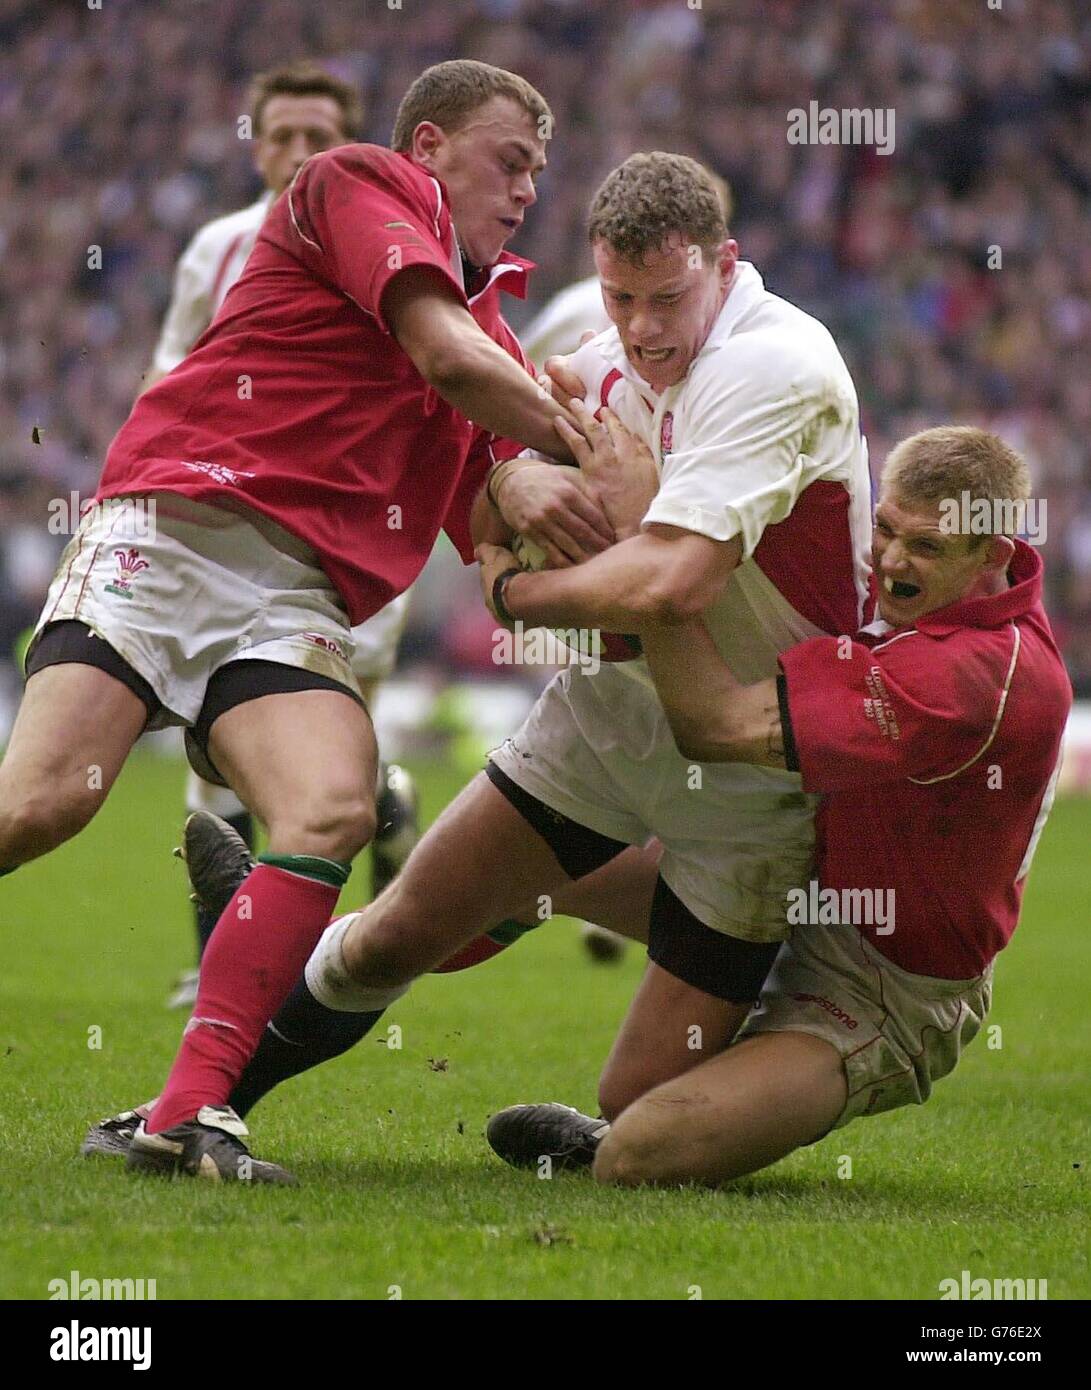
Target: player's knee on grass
(660, 1142)
(331, 823)
(738, 1112)
(630, 1158)
(618, 1090)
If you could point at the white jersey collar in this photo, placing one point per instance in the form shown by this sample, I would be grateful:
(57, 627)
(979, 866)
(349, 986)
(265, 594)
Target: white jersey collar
(746, 289)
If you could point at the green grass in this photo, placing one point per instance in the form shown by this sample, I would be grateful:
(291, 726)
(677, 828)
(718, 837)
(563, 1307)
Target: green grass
(398, 1185)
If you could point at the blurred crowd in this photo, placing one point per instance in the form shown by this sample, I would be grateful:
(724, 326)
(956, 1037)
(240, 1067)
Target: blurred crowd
(955, 273)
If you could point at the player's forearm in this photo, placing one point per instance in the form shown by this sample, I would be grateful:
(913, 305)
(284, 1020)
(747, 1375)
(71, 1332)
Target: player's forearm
(490, 388)
(635, 582)
(712, 716)
(459, 359)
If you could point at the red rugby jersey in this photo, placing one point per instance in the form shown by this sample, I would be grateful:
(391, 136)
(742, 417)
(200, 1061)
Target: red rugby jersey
(298, 403)
(937, 747)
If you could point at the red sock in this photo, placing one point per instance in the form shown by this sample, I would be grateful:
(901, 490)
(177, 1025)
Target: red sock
(254, 957)
(481, 948)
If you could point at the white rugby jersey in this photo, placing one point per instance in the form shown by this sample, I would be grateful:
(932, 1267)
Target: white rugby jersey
(761, 440)
(207, 269)
(562, 322)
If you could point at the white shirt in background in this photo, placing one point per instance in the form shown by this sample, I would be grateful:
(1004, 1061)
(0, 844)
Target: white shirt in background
(206, 270)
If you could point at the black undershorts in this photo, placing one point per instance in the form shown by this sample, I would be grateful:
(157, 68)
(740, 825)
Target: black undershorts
(723, 966)
(234, 684)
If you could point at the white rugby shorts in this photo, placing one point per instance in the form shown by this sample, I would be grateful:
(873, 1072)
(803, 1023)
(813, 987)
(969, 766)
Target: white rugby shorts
(190, 588)
(897, 1033)
(736, 838)
(375, 642)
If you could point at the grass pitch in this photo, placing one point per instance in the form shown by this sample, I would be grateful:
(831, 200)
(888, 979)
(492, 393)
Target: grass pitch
(400, 1194)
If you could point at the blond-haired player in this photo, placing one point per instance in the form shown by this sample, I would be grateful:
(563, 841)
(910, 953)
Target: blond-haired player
(934, 737)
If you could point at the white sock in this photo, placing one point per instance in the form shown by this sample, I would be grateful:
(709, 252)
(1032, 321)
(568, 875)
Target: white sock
(218, 801)
(330, 983)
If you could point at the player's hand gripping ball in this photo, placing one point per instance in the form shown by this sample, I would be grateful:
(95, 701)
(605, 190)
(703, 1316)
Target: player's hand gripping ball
(603, 646)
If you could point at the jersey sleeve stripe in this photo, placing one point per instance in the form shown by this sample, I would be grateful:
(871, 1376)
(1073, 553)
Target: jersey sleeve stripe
(609, 381)
(946, 776)
(295, 223)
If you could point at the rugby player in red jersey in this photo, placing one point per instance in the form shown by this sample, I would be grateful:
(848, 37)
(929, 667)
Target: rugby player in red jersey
(301, 461)
(934, 738)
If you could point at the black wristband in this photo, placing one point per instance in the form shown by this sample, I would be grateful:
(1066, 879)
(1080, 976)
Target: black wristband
(791, 752)
(499, 606)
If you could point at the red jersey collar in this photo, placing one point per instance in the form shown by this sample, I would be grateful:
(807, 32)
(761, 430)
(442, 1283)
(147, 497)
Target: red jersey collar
(511, 272)
(994, 610)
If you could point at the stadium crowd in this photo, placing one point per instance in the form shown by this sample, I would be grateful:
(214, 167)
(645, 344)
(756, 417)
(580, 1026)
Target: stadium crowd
(955, 272)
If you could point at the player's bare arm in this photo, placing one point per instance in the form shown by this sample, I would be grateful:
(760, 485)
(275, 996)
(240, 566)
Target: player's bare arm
(664, 575)
(714, 718)
(560, 511)
(638, 580)
(487, 525)
(469, 370)
(611, 493)
(489, 387)
(547, 502)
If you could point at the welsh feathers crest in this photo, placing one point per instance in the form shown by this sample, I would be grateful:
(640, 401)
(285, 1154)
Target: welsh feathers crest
(130, 563)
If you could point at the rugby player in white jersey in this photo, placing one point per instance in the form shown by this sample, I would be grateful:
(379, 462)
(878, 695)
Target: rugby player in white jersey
(559, 328)
(294, 112)
(761, 525)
